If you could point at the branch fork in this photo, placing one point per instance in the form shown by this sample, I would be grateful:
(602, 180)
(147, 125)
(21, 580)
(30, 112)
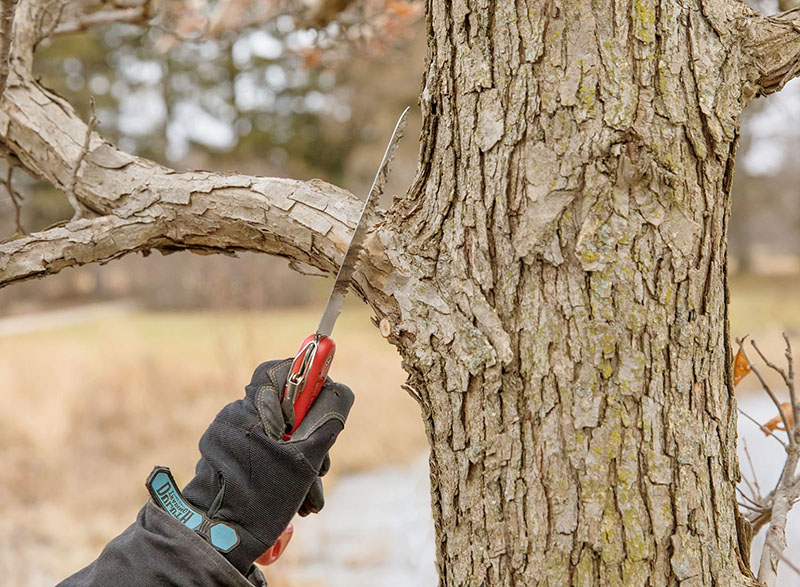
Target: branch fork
(774, 507)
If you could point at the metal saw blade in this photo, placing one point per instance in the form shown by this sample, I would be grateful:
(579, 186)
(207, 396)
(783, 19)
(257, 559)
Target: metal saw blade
(336, 298)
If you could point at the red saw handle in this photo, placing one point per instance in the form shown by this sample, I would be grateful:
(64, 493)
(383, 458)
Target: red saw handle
(306, 378)
(307, 375)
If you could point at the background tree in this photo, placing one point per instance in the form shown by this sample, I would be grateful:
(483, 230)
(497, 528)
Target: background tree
(555, 278)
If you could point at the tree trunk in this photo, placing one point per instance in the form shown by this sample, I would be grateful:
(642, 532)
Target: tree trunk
(567, 237)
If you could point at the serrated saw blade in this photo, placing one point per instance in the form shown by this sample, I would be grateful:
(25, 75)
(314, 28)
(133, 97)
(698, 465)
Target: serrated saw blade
(336, 298)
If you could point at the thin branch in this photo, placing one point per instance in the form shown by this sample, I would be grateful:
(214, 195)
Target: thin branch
(749, 507)
(70, 189)
(137, 15)
(749, 487)
(15, 197)
(763, 429)
(789, 563)
(757, 492)
(43, 31)
(760, 506)
(771, 395)
(790, 383)
(787, 489)
(7, 10)
(769, 363)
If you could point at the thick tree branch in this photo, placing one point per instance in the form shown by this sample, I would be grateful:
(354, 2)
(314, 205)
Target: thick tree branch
(156, 207)
(144, 206)
(773, 44)
(306, 221)
(310, 222)
(255, 225)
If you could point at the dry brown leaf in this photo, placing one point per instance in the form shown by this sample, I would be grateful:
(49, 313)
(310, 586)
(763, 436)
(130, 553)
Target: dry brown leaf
(777, 423)
(404, 9)
(741, 367)
(312, 57)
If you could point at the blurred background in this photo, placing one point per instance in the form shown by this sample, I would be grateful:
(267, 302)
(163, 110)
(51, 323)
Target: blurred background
(108, 370)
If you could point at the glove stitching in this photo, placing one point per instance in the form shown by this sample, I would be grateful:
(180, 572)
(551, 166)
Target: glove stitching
(273, 371)
(327, 417)
(260, 406)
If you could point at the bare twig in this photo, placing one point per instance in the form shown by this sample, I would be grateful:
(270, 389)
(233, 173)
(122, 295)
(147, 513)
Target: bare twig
(789, 563)
(760, 506)
(7, 10)
(790, 379)
(769, 363)
(763, 429)
(769, 391)
(70, 190)
(15, 197)
(749, 507)
(757, 491)
(43, 30)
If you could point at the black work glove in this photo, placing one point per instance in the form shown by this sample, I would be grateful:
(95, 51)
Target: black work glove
(249, 477)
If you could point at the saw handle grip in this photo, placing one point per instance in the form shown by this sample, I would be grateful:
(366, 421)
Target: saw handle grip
(307, 375)
(306, 378)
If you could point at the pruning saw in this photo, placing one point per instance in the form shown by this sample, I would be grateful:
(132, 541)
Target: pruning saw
(313, 360)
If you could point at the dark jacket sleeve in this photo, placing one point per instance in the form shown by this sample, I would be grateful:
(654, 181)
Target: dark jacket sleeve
(157, 551)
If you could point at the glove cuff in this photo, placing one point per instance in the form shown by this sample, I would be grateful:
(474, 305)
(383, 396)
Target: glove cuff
(245, 554)
(235, 543)
(166, 495)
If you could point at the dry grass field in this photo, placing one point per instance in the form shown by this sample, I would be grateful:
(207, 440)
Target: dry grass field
(89, 408)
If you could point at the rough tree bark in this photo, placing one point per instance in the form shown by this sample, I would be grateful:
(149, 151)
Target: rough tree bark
(555, 278)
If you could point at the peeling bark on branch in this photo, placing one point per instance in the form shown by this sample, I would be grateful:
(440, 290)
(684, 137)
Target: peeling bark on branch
(773, 43)
(232, 216)
(305, 221)
(151, 205)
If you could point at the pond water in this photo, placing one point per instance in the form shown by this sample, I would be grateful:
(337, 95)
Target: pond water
(375, 530)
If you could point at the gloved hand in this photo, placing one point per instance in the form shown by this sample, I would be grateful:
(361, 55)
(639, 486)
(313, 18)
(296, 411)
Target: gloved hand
(252, 479)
